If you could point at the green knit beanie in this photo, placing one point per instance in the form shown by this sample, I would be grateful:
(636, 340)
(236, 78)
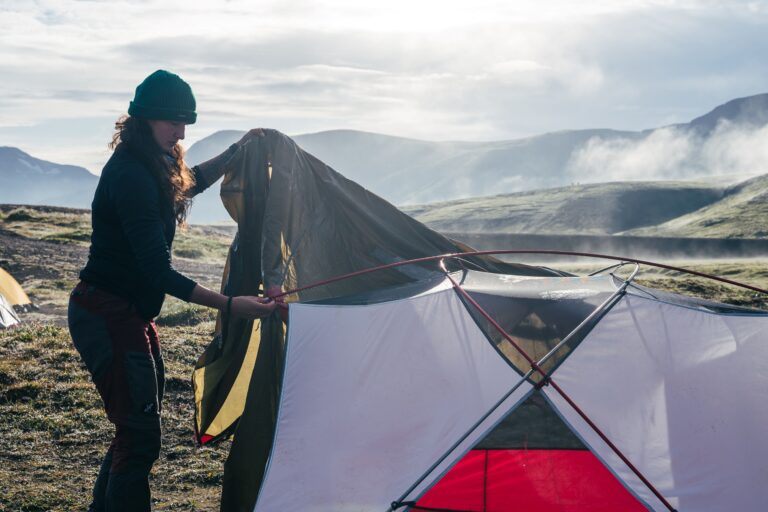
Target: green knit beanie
(164, 95)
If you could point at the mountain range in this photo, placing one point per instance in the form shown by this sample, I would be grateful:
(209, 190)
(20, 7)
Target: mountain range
(25, 179)
(528, 182)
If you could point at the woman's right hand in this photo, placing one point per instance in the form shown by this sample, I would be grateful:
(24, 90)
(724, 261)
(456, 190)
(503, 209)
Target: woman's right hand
(250, 134)
(251, 307)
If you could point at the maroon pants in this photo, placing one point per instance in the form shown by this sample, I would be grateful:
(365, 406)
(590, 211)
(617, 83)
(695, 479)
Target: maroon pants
(122, 353)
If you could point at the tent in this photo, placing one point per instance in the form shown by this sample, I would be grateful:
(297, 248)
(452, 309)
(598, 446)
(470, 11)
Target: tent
(651, 401)
(299, 221)
(13, 292)
(12, 297)
(462, 383)
(8, 316)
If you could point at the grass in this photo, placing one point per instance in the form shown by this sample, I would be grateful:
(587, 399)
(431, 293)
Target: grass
(55, 432)
(179, 313)
(751, 272)
(62, 225)
(740, 214)
(594, 209)
(202, 243)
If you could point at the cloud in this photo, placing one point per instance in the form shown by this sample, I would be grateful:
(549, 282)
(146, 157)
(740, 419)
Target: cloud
(673, 154)
(438, 70)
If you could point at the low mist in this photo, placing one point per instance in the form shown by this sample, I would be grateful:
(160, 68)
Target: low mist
(674, 153)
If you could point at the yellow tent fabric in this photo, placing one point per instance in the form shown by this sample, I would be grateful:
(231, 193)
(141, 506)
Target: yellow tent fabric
(12, 290)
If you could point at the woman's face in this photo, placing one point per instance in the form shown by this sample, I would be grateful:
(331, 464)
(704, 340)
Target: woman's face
(167, 133)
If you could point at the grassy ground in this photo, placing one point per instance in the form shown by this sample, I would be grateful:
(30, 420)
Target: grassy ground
(592, 209)
(753, 272)
(53, 430)
(740, 214)
(73, 227)
(55, 433)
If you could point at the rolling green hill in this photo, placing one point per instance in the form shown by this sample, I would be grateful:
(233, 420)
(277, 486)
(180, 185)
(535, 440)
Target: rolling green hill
(741, 213)
(597, 209)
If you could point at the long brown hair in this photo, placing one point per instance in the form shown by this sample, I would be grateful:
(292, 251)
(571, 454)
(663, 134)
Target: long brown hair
(173, 176)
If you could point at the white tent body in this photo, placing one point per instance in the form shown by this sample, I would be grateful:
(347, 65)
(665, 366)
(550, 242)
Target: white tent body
(8, 316)
(373, 395)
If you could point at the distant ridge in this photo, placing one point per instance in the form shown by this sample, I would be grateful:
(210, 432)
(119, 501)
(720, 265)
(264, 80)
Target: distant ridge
(29, 180)
(595, 209)
(693, 209)
(752, 110)
(741, 213)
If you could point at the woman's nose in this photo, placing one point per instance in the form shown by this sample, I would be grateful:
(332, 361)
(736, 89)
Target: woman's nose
(180, 132)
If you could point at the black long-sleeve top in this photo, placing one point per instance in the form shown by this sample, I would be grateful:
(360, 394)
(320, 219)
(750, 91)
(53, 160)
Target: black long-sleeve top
(133, 230)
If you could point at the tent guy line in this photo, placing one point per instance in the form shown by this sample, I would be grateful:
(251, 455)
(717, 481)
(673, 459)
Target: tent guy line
(535, 367)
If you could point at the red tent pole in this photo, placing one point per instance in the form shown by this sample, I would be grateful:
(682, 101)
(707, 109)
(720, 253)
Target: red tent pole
(427, 259)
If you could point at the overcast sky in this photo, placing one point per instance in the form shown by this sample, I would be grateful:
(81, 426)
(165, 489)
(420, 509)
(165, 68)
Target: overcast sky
(435, 70)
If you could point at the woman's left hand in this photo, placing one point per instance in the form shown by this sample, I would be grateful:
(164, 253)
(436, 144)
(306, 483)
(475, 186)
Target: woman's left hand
(276, 293)
(252, 307)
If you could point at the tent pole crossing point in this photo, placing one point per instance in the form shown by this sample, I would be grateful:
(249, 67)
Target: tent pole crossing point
(548, 380)
(599, 309)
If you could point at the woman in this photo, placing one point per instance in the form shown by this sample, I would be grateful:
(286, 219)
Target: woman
(144, 191)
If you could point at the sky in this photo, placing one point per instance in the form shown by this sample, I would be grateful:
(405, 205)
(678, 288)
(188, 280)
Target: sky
(433, 70)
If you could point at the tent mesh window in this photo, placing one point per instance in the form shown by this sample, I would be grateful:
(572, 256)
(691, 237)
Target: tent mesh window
(537, 313)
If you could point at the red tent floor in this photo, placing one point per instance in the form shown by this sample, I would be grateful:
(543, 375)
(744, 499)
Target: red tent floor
(530, 480)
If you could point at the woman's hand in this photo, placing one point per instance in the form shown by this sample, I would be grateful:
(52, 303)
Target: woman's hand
(214, 168)
(248, 306)
(245, 306)
(276, 293)
(250, 134)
